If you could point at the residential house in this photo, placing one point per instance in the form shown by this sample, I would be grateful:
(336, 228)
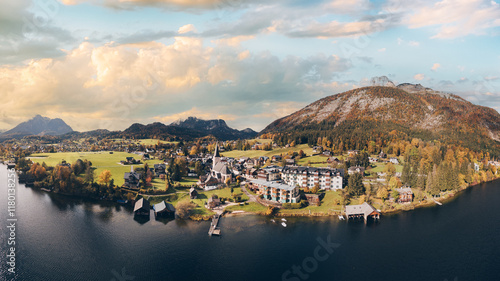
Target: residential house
(405, 195)
(193, 194)
(132, 179)
(382, 155)
(394, 160)
(160, 169)
(352, 153)
(269, 174)
(276, 158)
(356, 169)
(325, 178)
(333, 160)
(213, 202)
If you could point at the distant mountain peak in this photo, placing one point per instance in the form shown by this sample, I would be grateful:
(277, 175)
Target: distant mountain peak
(215, 127)
(39, 125)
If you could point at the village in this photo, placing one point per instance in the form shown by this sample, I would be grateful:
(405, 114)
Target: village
(204, 179)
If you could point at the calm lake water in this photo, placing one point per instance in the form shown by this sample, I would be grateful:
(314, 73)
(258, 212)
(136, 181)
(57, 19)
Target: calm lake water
(61, 238)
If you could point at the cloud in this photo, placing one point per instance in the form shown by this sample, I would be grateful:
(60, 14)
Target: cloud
(435, 66)
(186, 29)
(419, 77)
(114, 85)
(27, 31)
(167, 4)
(457, 18)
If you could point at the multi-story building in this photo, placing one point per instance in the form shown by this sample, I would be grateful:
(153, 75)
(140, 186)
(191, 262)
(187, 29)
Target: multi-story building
(276, 191)
(326, 178)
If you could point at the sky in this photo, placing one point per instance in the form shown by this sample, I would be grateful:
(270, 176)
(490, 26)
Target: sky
(105, 64)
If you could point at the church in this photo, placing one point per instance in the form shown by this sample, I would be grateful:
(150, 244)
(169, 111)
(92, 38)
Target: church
(219, 173)
(220, 170)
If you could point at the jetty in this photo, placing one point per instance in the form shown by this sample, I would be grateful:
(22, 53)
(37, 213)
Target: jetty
(214, 230)
(437, 202)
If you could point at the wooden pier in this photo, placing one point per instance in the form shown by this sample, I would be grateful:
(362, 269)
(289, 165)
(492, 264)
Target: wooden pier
(214, 230)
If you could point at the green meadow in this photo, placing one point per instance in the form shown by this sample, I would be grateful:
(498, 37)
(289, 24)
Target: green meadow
(100, 160)
(277, 151)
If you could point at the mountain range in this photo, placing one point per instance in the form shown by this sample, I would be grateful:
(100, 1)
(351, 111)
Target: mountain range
(378, 111)
(190, 128)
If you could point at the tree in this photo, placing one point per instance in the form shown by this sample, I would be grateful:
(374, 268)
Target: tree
(315, 188)
(184, 209)
(78, 167)
(105, 177)
(89, 175)
(198, 168)
(355, 184)
(382, 193)
(395, 194)
(394, 183)
(37, 171)
(390, 169)
(227, 181)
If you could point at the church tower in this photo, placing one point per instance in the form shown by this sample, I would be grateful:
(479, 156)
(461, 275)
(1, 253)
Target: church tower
(216, 158)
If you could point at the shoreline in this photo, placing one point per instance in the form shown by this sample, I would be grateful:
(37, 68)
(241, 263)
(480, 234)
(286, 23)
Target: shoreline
(412, 206)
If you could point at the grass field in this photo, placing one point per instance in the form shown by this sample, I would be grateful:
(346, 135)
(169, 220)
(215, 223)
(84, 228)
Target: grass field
(257, 153)
(248, 207)
(316, 161)
(327, 205)
(100, 160)
(145, 141)
(381, 166)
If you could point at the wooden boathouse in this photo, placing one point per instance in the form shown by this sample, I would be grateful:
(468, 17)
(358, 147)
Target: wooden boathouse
(142, 207)
(364, 211)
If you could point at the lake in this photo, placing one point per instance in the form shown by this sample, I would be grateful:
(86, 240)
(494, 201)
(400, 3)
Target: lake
(63, 238)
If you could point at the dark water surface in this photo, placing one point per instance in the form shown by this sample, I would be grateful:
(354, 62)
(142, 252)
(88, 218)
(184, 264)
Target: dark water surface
(62, 238)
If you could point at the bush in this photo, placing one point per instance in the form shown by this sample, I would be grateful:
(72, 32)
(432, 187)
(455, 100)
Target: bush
(292, 205)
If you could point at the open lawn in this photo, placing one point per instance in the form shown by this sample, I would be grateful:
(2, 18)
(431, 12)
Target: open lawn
(257, 153)
(316, 161)
(328, 204)
(100, 160)
(144, 141)
(379, 167)
(248, 207)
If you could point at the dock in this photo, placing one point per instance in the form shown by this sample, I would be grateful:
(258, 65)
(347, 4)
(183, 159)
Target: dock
(437, 202)
(214, 230)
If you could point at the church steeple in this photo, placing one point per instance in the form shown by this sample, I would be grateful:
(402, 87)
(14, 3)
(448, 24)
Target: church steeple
(216, 157)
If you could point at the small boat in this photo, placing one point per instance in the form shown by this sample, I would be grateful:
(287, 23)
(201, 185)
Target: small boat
(283, 219)
(273, 220)
(341, 217)
(283, 224)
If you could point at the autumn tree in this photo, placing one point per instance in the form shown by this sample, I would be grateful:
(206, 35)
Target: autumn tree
(382, 193)
(394, 183)
(105, 177)
(37, 171)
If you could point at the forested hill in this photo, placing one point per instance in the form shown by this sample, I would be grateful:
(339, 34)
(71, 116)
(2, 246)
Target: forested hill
(351, 119)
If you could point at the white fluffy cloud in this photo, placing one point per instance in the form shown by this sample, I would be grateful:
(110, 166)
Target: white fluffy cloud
(435, 66)
(113, 85)
(419, 77)
(457, 18)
